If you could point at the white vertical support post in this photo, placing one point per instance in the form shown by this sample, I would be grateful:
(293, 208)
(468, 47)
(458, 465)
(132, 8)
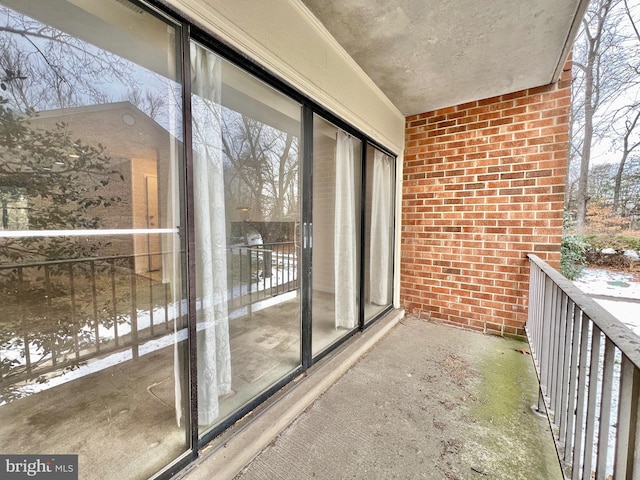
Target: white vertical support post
(545, 350)
(573, 385)
(580, 405)
(566, 368)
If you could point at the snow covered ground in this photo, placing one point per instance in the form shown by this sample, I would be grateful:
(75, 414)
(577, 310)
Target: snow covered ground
(284, 270)
(615, 285)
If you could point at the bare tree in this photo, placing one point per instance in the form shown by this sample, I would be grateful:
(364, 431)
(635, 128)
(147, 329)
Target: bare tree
(628, 146)
(632, 20)
(150, 102)
(42, 68)
(262, 171)
(602, 70)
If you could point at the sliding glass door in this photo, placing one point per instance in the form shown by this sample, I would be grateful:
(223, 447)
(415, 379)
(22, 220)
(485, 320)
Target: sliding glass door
(379, 228)
(246, 192)
(92, 280)
(336, 233)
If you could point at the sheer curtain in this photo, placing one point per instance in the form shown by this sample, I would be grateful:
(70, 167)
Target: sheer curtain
(214, 357)
(381, 215)
(345, 234)
(170, 218)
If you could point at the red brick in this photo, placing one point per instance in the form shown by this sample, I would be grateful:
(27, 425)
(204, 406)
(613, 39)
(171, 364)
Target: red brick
(483, 186)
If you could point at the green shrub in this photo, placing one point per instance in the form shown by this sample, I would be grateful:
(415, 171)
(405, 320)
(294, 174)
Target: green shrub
(629, 243)
(572, 259)
(599, 241)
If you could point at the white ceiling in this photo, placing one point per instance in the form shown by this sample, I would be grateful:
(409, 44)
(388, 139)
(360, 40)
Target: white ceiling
(429, 54)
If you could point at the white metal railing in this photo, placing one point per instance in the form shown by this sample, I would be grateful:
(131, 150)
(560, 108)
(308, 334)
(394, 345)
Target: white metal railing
(588, 366)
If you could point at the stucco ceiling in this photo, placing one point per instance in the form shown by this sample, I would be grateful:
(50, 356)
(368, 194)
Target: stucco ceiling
(428, 54)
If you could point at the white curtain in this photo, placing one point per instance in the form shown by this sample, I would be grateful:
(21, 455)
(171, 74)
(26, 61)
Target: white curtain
(172, 268)
(170, 218)
(214, 357)
(345, 234)
(381, 215)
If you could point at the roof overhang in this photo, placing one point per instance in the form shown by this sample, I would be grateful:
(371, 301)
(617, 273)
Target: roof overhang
(426, 55)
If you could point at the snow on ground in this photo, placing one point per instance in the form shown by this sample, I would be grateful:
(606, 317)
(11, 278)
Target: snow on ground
(12, 350)
(617, 285)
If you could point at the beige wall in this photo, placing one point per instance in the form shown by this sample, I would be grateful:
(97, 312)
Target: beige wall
(285, 38)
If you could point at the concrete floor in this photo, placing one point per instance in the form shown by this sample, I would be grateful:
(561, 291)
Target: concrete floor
(428, 401)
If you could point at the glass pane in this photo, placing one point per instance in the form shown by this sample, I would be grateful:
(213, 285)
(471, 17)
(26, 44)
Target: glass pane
(378, 242)
(92, 331)
(247, 212)
(336, 233)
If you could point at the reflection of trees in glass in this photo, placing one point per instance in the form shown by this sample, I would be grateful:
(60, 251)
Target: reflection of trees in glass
(260, 167)
(261, 173)
(64, 182)
(14, 208)
(45, 68)
(42, 68)
(54, 181)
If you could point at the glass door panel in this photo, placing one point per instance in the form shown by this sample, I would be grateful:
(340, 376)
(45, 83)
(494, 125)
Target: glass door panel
(92, 330)
(247, 212)
(336, 233)
(378, 241)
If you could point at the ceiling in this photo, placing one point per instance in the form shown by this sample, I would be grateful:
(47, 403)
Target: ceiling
(429, 54)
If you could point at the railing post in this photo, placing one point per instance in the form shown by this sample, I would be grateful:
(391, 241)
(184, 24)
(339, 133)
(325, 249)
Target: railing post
(134, 308)
(114, 300)
(562, 357)
(151, 325)
(555, 364)
(545, 352)
(591, 417)
(94, 296)
(74, 327)
(23, 319)
(566, 367)
(580, 403)
(605, 408)
(576, 338)
(627, 463)
(47, 289)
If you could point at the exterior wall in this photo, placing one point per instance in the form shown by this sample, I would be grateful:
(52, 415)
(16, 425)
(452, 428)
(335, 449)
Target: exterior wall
(483, 187)
(285, 38)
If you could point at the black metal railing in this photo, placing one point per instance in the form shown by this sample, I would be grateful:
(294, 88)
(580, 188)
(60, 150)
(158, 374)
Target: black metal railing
(58, 314)
(262, 271)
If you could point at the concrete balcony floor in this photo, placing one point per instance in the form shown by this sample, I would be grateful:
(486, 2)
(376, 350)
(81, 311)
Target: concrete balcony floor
(427, 401)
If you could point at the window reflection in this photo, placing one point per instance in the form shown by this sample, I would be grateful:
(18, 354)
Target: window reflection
(91, 281)
(246, 192)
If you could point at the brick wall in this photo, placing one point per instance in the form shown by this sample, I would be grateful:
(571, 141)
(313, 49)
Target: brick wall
(483, 186)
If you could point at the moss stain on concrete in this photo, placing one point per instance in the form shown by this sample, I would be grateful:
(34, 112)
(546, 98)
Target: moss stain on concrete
(511, 438)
